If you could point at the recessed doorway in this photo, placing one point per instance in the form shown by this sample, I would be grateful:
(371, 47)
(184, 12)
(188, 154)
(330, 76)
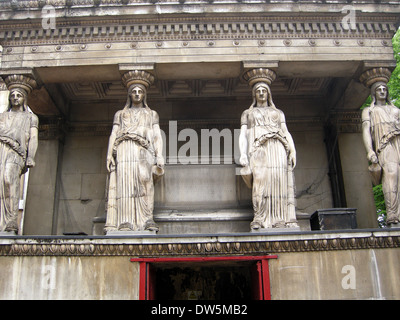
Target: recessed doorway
(205, 278)
(208, 282)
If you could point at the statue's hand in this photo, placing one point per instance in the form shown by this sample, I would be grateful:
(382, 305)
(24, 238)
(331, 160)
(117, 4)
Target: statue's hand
(244, 161)
(30, 163)
(292, 160)
(372, 157)
(110, 164)
(160, 161)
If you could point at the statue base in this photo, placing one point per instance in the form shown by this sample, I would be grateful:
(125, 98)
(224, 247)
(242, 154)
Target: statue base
(276, 230)
(394, 225)
(130, 233)
(7, 233)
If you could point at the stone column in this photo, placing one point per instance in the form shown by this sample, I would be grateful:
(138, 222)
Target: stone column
(381, 137)
(268, 156)
(18, 146)
(134, 160)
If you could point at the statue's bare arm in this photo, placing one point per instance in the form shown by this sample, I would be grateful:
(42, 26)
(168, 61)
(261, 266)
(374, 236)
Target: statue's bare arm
(32, 147)
(367, 138)
(110, 158)
(243, 143)
(292, 149)
(158, 143)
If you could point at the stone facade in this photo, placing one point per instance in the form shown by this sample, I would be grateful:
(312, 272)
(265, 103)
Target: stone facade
(197, 51)
(101, 269)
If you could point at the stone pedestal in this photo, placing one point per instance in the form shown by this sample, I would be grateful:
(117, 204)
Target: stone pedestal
(7, 233)
(276, 230)
(131, 233)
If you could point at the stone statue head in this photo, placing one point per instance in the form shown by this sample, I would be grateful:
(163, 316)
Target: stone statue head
(18, 98)
(19, 86)
(257, 96)
(380, 90)
(137, 93)
(135, 81)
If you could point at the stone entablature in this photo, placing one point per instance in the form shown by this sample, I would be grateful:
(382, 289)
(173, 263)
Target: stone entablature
(197, 28)
(22, 4)
(115, 32)
(199, 245)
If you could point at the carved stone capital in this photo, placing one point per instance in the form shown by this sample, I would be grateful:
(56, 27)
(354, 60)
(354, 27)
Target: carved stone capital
(259, 75)
(20, 81)
(138, 77)
(371, 76)
(3, 86)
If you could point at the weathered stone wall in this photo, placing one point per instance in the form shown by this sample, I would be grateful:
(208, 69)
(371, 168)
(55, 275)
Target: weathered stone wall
(68, 278)
(82, 183)
(42, 189)
(336, 265)
(327, 275)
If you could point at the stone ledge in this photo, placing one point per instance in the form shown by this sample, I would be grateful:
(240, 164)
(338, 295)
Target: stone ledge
(199, 245)
(124, 4)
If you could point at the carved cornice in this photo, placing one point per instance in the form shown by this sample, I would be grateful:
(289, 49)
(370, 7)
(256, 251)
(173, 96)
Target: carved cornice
(95, 30)
(158, 247)
(32, 4)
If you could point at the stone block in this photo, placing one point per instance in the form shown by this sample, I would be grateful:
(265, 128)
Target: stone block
(334, 219)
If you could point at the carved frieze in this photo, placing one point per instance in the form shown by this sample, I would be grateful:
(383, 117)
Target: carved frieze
(33, 4)
(192, 247)
(185, 29)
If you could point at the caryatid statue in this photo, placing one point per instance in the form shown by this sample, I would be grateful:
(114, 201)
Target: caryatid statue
(381, 135)
(18, 145)
(134, 159)
(268, 155)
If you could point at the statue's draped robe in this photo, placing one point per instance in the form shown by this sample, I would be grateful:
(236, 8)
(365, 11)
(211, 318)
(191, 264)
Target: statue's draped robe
(15, 130)
(272, 181)
(131, 188)
(385, 132)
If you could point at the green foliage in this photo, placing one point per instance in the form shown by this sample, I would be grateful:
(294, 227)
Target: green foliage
(380, 205)
(394, 83)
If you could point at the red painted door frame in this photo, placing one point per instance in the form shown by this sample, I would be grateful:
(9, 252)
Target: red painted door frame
(146, 277)
(146, 281)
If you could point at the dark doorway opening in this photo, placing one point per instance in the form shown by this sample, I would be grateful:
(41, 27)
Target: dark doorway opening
(209, 282)
(208, 278)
